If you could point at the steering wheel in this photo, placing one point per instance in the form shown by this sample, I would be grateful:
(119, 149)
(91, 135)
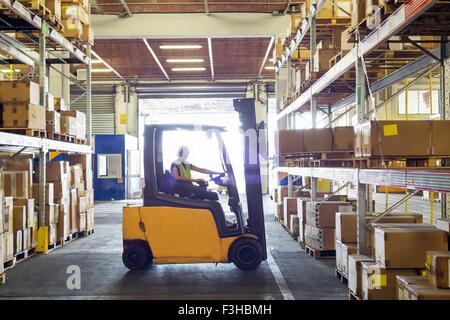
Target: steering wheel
(217, 179)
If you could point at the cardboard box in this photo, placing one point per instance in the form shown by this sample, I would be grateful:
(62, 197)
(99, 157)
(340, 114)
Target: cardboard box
(29, 204)
(280, 212)
(88, 34)
(16, 184)
(49, 193)
(23, 116)
(73, 210)
(407, 247)
(50, 214)
(393, 138)
(403, 281)
(69, 125)
(323, 213)
(343, 139)
(82, 207)
(52, 233)
(55, 7)
(19, 92)
(8, 248)
(8, 214)
(85, 160)
(90, 198)
(76, 12)
(53, 121)
(301, 230)
(18, 241)
(438, 269)
(347, 249)
(56, 171)
(358, 12)
(61, 191)
(19, 218)
(72, 28)
(282, 192)
(290, 208)
(77, 180)
(443, 224)
(90, 219)
(318, 140)
(346, 226)
(289, 142)
(26, 244)
(422, 291)
(294, 225)
(319, 238)
(81, 221)
(379, 283)
(20, 163)
(80, 122)
(355, 272)
(440, 145)
(62, 227)
(338, 248)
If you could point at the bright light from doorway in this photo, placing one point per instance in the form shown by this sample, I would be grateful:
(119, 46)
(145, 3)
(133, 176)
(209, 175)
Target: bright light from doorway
(180, 46)
(269, 68)
(105, 70)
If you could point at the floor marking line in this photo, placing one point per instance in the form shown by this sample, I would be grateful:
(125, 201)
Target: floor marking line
(281, 282)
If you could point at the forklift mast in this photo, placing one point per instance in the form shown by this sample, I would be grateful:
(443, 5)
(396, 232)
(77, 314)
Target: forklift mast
(252, 172)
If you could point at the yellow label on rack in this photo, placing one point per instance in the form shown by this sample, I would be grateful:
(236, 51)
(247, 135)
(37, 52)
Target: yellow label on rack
(123, 118)
(390, 130)
(428, 262)
(379, 280)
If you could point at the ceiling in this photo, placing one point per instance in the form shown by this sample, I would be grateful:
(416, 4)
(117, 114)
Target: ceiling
(189, 6)
(233, 59)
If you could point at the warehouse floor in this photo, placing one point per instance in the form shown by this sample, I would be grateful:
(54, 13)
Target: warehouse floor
(288, 273)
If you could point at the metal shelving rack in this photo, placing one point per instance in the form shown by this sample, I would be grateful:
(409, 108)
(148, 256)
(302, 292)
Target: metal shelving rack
(430, 179)
(39, 60)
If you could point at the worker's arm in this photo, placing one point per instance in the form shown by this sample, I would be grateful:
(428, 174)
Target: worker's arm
(178, 177)
(202, 170)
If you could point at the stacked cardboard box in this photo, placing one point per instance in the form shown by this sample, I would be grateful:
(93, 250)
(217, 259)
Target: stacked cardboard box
(18, 215)
(73, 123)
(320, 223)
(436, 284)
(58, 174)
(76, 20)
(20, 107)
(402, 138)
(81, 172)
(346, 239)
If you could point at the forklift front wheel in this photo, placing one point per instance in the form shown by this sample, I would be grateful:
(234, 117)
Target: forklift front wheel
(136, 257)
(246, 253)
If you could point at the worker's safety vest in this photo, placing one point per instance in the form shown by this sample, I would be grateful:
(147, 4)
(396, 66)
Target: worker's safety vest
(184, 169)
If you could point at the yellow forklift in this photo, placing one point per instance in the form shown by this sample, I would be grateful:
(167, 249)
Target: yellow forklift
(176, 228)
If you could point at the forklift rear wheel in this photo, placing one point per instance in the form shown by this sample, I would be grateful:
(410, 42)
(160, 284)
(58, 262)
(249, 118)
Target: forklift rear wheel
(136, 257)
(246, 253)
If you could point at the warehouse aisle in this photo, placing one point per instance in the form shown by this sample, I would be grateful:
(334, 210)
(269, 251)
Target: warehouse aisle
(103, 275)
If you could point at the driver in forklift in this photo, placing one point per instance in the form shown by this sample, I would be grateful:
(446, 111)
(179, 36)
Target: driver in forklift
(184, 183)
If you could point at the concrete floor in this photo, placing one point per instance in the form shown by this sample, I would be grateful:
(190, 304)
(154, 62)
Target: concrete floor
(288, 273)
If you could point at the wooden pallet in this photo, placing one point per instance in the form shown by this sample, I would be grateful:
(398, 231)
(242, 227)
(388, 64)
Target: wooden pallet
(54, 246)
(71, 237)
(86, 233)
(320, 254)
(341, 276)
(21, 256)
(353, 296)
(10, 263)
(26, 131)
(62, 137)
(301, 244)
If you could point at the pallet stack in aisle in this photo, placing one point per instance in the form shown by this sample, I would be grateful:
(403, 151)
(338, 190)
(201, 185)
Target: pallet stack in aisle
(396, 246)
(81, 169)
(18, 221)
(320, 226)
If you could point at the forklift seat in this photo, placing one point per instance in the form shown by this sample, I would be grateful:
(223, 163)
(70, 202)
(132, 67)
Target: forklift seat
(170, 186)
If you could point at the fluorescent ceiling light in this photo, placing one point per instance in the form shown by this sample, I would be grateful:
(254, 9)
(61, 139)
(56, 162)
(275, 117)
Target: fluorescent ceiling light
(96, 61)
(180, 46)
(271, 59)
(185, 60)
(189, 69)
(8, 71)
(269, 68)
(101, 70)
